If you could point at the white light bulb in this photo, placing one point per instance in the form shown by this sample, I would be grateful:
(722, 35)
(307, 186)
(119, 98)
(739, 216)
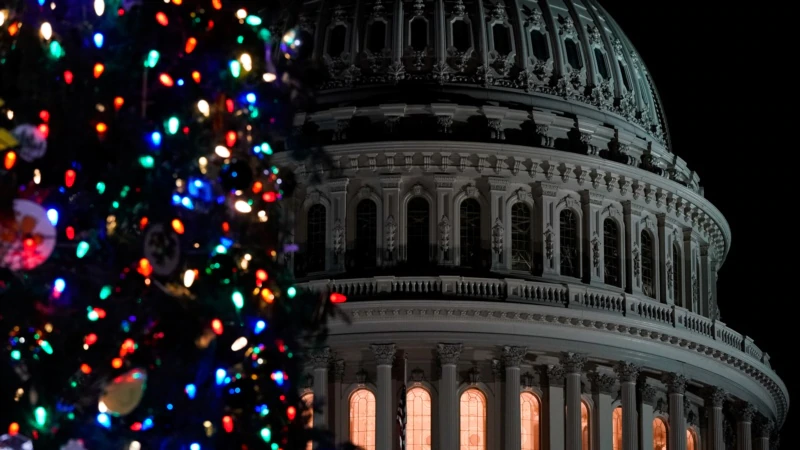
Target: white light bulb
(270, 77)
(37, 176)
(204, 107)
(2, 18)
(102, 407)
(239, 344)
(47, 31)
(99, 7)
(188, 278)
(10, 114)
(135, 445)
(243, 207)
(247, 62)
(241, 14)
(222, 151)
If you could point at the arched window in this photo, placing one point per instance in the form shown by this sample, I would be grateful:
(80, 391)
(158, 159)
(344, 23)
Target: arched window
(611, 253)
(585, 427)
(691, 443)
(530, 413)
(602, 67)
(616, 418)
(418, 419)
(366, 233)
(521, 258)
(362, 419)
(569, 243)
(315, 239)
(308, 401)
(418, 231)
(539, 44)
(470, 229)
(573, 54)
(659, 434)
(677, 292)
(473, 420)
(648, 265)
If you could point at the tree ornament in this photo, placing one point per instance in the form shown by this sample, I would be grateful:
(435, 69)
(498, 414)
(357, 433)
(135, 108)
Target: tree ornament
(15, 442)
(124, 393)
(236, 176)
(32, 142)
(162, 249)
(28, 239)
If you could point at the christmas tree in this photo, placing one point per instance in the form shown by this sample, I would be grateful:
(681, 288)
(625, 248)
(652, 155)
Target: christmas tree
(145, 295)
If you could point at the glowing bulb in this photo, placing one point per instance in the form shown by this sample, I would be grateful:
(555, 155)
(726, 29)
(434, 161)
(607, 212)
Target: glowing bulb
(241, 14)
(147, 161)
(155, 138)
(270, 77)
(177, 225)
(204, 108)
(238, 300)
(260, 326)
(41, 416)
(102, 407)
(152, 59)
(236, 68)
(162, 19)
(266, 434)
(98, 40)
(242, 206)
(188, 278)
(291, 292)
(98, 70)
(99, 7)
(173, 124)
(37, 175)
(191, 391)
(196, 76)
(52, 216)
(239, 344)
(166, 80)
(82, 250)
(220, 376)
(46, 30)
(191, 44)
(253, 20)
(222, 152)
(247, 62)
(104, 420)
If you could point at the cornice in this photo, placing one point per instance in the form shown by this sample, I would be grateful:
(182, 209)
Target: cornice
(513, 316)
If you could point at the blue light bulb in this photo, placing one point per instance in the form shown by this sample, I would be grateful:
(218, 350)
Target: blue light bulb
(251, 98)
(52, 216)
(59, 285)
(191, 391)
(98, 40)
(155, 138)
(260, 326)
(104, 420)
(220, 375)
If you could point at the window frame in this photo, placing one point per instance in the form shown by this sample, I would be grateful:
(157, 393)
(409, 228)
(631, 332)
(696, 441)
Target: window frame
(537, 437)
(349, 426)
(652, 260)
(577, 243)
(410, 445)
(486, 410)
(619, 237)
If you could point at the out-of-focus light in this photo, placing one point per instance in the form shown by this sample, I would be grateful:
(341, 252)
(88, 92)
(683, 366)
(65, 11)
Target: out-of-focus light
(47, 31)
(188, 278)
(52, 216)
(204, 108)
(99, 7)
(222, 151)
(242, 206)
(239, 344)
(98, 40)
(191, 391)
(260, 326)
(104, 420)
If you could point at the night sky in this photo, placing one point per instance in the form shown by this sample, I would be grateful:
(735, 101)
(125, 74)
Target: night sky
(716, 67)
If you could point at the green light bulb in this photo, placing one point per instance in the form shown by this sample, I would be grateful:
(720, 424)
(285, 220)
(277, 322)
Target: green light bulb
(291, 292)
(147, 161)
(41, 416)
(101, 187)
(82, 250)
(56, 50)
(46, 347)
(105, 292)
(152, 59)
(16, 355)
(238, 300)
(266, 434)
(253, 20)
(172, 125)
(236, 68)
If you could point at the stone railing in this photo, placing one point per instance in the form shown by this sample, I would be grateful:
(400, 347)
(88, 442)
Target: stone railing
(559, 295)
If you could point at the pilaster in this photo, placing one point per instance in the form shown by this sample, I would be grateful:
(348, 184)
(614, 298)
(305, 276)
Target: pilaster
(708, 281)
(444, 218)
(546, 229)
(338, 190)
(689, 271)
(384, 356)
(448, 396)
(632, 214)
(499, 223)
(554, 412)
(676, 384)
(594, 259)
(390, 187)
(602, 392)
(321, 360)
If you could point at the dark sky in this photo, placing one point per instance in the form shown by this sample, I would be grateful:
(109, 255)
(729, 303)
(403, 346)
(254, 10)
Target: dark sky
(716, 67)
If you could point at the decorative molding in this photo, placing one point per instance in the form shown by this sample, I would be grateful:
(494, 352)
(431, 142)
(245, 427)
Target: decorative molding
(648, 393)
(675, 382)
(627, 372)
(449, 353)
(716, 397)
(745, 412)
(555, 375)
(391, 233)
(444, 234)
(417, 375)
(338, 370)
(513, 356)
(321, 358)
(497, 236)
(573, 362)
(474, 375)
(384, 353)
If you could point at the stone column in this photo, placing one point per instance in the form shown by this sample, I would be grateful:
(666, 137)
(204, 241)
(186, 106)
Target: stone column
(339, 403)
(338, 189)
(512, 357)
(602, 389)
(498, 223)
(676, 385)
(448, 397)
(573, 367)
(628, 373)
(714, 401)
(444, 218)
(763, 430)
(321, 359)
(546, 230)
(594, 259)
(744, 420)
(384, 356)
(553, 414)
(646, 416)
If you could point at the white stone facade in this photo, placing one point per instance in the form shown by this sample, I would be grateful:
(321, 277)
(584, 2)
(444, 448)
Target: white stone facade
(505, 221)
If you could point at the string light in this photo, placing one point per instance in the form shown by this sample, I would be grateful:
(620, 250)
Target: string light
(46, 30)
(162, 19)
(204, 108)
(98, 40)
(191, 44)
(99, 7)
(98, 70)
(222, 152)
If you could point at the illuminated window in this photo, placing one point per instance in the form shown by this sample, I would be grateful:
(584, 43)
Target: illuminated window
(648, 266)
(521, 258)
(616, 418)
(473, 420)
(659, 434)
(676, 275)
(308, 401)
(470, 211)
(569, 244)
(315, 242)
(418, 425)
(362, 419)
(690, 440)
(585, 427)
(611, 266)
(366, 232)
(529, 408)
(418, 241)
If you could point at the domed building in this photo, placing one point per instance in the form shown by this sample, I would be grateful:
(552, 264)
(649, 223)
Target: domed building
(517, 241)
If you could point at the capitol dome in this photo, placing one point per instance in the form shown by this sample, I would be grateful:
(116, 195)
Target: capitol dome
(515, 238)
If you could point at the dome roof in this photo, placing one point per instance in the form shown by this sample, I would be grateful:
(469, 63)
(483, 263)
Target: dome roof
(563, 56)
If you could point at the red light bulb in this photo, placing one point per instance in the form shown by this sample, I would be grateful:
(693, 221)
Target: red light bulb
(162, 19)
(230, 138)
(338, 298)
(227, 424)
(216, 327)
(69, 178)
(68, 76)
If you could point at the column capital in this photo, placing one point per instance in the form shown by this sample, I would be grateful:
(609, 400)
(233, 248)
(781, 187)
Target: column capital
(573, 362)
(676, 383)
(745, 412)
(716, 396)
(762, 426)
(627, 372)
(384, 353)
(449, 353)
(320, 358)
(602, 383)
(338, 370)
(513, 356)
